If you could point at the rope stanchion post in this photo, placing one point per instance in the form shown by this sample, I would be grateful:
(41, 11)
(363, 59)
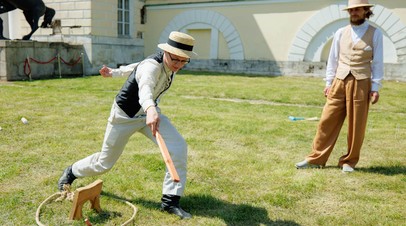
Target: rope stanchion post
(83, 64)
(28, 60)
(59, 65)
(29, 73)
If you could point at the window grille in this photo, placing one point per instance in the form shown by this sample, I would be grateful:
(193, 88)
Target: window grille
(123, 18)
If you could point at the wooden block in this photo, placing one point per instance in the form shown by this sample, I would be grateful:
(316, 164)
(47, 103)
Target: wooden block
(90, 193)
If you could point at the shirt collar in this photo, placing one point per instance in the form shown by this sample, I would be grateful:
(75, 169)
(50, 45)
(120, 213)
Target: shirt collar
(168, 71)
(362, 26)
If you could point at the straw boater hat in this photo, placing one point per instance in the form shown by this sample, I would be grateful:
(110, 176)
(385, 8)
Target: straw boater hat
(357, 3)
(179, 44)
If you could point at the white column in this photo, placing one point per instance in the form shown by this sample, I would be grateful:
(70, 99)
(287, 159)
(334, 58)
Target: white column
(4, 17)
(214, 43)
(14, 25)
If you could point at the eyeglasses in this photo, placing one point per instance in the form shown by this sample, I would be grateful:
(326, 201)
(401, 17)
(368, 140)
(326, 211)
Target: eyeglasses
(175, 61)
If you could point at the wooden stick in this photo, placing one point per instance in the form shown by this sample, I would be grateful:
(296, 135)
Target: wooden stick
(167, 157)
(292, 118)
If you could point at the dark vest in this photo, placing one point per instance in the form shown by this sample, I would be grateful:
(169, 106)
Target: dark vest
(127, 99)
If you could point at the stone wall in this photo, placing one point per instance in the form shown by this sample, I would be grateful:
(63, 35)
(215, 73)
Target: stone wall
(86, 59)
(258, 67)
(289, 68)
(101, 51)
(396, 72)
(25, 60)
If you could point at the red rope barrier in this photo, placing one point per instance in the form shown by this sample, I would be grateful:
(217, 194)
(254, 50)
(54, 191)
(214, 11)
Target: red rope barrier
(71, 64)
(27, 63)
(45, 62)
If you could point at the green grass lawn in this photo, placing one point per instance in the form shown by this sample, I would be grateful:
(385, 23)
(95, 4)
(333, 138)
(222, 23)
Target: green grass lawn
(242, 150)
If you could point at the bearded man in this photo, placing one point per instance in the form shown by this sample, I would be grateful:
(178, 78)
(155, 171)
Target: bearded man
(353, 78)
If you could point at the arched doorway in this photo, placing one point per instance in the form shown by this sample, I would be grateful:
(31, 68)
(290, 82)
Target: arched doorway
(220, 30)
(312, 46)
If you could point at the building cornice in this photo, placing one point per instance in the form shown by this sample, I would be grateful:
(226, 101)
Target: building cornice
(218, 4)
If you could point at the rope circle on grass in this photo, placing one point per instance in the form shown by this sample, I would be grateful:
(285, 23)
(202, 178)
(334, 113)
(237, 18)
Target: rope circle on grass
(68, 195)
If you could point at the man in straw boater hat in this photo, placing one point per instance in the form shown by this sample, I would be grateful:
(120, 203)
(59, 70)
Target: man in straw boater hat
(135, 109)
(353, 78)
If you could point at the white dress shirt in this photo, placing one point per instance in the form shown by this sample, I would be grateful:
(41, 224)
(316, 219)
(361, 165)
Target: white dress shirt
(153, 80)
(124, 70)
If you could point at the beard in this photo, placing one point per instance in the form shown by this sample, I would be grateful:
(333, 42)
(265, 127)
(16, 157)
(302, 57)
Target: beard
(357, 22)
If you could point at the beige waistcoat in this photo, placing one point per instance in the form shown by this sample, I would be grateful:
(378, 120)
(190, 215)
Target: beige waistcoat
(355, 58)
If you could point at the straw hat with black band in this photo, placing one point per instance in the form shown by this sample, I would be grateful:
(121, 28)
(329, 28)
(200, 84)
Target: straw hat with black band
(357, 3)
(179, 44)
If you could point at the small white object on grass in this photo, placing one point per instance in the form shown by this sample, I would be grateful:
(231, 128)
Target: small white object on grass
(24, 120)
(292, 118)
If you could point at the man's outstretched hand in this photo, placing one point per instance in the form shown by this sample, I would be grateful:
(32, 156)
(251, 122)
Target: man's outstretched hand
(153, 119)
(106, 71)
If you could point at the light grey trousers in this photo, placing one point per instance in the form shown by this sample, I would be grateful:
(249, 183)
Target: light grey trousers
(119, 129)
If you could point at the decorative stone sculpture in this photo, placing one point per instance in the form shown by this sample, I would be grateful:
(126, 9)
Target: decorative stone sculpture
(32, 9)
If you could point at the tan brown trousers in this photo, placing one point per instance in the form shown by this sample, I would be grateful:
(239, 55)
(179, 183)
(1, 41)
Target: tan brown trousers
(347, 98)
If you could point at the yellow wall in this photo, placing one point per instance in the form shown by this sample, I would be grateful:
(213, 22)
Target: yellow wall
(163, 2)
(202, 40)
(223, 52)
(267, 31)
(104, 18)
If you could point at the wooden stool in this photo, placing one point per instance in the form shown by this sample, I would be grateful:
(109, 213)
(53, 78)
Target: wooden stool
(90, 193)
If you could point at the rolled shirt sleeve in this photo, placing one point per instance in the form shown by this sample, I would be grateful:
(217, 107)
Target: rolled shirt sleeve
(377, 65)
(332, 62)
(124, 70)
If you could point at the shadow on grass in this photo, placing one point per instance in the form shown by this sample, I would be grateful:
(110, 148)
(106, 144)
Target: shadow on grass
(102, 217)
(209, 73)
(385, 170)
(211, 207)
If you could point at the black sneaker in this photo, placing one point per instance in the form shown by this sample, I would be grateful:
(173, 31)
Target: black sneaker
(66, 178)
(177, 211)
(170, 204)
